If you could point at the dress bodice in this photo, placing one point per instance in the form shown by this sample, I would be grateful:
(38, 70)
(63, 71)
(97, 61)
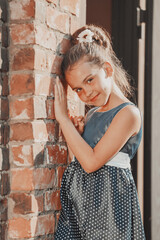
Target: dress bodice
(97, 123)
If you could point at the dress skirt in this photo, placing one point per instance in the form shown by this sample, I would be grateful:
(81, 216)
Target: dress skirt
(102, 205)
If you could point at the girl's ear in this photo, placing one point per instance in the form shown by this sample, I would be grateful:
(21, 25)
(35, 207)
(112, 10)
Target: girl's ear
(108, 69)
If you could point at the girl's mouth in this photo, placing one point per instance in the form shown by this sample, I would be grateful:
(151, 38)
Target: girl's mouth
(94, 98)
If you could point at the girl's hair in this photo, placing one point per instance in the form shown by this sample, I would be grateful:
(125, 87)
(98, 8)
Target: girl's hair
(97, 52)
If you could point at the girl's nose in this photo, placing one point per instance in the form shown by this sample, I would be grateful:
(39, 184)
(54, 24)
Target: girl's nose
(88, 91)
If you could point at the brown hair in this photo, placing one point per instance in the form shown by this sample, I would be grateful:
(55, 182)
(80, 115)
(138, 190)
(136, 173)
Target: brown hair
(97, 52)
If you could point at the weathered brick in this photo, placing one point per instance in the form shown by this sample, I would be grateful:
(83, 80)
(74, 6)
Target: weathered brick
(3, 209)
(40, 11)
(4, 113)
(22, 179)
(44, 85)
(4, 230)
(26, 9)
(4, 184)
(21, 131)
(53, 63)
(5, 60)
(25, 83)
(45, 37)
(52, 200)
(22, 108)
(45, 225)
(60, 171)
(39, 107)
(22, 33)
(57, 20)
(4, 85)
(40, 131)
(51, 129)
(75, 24)
(23, 203)
(5, 36)
(21, 155)
(44, 178)
(22, 59)
(56, 154)
(40, 59)
(38, 153)
(55, 2)
(5, 131)
(50, 109)
(71, 6)
(4, 159)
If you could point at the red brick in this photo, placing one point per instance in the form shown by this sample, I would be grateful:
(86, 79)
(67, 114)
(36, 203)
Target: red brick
(22, 33)
(23, 203)
(51, 129)
(44, 178)
(71, 6)
(50, 109)
(52, 200)
(25, 83)
(20, 203)
(26, 228)
(57, 20)
(21, 108)
(22, 179)
(20, 228)
(26, 9)
(23, 59)
(21, 131)
(44, 85)
(44, 225)
(60, 171)
(56, 154)
(21, 155)
(45, 37)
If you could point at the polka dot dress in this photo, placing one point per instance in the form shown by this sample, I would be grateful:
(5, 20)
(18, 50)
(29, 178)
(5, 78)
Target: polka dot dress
(101, 205)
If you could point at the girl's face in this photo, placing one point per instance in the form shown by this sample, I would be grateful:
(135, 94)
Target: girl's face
(92, 83)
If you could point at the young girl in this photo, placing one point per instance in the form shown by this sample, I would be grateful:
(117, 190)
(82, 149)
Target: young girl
(98, 194)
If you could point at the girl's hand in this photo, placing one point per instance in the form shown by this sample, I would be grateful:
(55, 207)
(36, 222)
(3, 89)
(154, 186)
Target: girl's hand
(60, 102)
(78, 123)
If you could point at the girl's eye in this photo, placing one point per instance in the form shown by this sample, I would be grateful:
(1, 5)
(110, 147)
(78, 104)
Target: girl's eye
(89, 80)
(78, 90)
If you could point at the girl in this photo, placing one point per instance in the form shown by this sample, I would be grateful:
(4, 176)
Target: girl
(98, 195)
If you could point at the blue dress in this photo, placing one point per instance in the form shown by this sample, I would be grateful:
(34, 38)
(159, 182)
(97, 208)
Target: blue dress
(102, 205)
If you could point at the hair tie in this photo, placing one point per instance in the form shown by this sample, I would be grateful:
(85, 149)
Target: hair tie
(85, 36)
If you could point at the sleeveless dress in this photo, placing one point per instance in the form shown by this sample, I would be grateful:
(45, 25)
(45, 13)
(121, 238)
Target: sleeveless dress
(102, 205)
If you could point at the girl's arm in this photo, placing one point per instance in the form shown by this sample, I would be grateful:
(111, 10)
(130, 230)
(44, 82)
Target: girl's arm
(122, 127)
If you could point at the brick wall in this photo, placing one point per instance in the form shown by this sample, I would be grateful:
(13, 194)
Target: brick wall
(38, 35)
(4, 126)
